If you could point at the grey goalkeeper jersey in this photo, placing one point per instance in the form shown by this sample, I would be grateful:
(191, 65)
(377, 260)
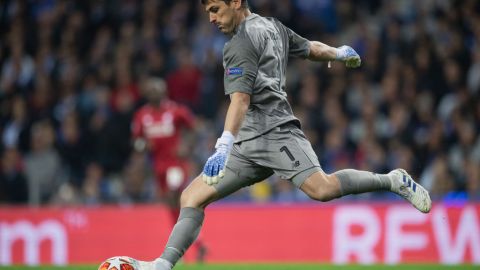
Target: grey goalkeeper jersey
(255, 62)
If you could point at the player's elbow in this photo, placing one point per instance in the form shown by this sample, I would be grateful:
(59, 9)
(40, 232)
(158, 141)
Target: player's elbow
(240, 100)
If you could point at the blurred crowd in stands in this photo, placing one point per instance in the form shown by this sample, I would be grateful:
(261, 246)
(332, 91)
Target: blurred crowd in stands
(72, 74)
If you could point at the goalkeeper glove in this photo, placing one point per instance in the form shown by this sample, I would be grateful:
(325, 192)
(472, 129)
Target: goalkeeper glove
(348, 55)
(214, 168)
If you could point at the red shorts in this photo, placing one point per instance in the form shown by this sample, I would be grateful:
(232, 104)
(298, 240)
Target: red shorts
(171, 175)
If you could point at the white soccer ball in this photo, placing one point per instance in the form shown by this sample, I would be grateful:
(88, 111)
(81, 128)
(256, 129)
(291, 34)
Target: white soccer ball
(118, 263)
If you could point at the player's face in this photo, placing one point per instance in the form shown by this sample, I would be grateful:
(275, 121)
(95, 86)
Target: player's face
(155, 94)
(223, 15)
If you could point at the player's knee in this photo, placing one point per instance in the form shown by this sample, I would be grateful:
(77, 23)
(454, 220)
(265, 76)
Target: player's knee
(197, 196)
(322, 187)
(322, 196)
(189, 199)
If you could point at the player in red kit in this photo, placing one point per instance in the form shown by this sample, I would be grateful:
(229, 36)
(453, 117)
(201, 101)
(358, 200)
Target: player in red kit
(158, 128)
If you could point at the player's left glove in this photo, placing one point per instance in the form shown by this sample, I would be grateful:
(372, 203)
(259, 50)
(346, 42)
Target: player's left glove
(348, 55)
(214, 168)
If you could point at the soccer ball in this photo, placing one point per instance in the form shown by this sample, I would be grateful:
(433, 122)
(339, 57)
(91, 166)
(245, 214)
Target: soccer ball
(118, 263)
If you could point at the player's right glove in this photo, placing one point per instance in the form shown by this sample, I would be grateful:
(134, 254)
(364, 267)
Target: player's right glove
(348, 55)
(214, 168)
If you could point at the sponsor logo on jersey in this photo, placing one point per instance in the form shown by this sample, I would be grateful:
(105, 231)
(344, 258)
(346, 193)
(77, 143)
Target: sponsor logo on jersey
(235, 71)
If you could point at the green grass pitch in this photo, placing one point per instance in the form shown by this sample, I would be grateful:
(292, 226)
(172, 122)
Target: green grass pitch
(271, 267)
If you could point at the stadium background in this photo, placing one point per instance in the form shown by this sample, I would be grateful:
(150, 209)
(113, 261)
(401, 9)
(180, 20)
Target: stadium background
(71, 75)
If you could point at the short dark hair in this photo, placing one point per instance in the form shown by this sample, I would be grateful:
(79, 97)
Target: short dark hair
(244, 2)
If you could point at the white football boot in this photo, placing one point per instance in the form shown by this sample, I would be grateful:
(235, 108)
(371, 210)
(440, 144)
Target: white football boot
(405, 186)
(158, 264)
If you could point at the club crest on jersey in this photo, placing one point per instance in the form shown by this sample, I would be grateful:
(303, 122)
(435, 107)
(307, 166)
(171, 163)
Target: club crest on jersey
(238, 71)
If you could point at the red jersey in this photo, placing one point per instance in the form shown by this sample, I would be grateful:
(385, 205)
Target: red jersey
(161, 126)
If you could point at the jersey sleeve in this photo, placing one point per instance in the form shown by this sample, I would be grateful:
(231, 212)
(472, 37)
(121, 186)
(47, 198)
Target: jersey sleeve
(299, 46)
(136, 126)
(241, 66)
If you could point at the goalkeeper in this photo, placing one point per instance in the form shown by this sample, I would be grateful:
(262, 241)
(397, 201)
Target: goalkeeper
(261, 135)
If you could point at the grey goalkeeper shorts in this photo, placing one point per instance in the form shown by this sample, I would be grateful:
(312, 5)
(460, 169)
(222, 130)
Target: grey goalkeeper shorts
(284, 151)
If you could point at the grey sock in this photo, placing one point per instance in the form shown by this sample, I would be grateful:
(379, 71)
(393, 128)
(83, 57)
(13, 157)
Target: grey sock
(184, 234)
(354, 181)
